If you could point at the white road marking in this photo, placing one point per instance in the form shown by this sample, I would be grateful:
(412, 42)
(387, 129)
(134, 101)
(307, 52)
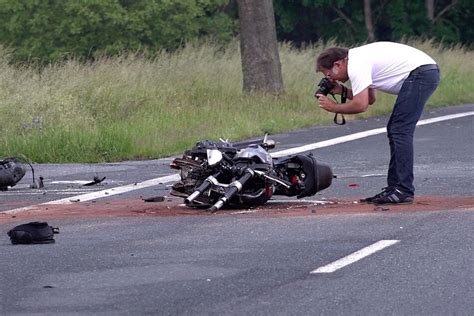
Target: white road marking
(49, 192)
(291, 151)
(314, 202)
(103, 193)
(356, 256)
(82, 182)
(351, 137)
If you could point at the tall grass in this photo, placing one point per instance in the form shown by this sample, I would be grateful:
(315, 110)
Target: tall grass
(131, 107)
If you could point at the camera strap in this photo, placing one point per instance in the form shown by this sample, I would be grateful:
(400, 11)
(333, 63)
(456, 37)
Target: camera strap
(343, 100)
(337, 121)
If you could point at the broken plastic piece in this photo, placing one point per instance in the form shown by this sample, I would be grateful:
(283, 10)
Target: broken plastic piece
(37, 184)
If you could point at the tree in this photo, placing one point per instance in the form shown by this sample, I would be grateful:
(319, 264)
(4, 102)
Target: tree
(368, 21)
(261, 66)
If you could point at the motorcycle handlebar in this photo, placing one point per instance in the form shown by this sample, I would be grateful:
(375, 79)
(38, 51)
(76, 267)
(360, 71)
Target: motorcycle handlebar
(265, 143)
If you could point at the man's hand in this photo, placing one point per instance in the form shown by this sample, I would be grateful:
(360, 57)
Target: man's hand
(337, 87)
(358, 104)
(326, 103)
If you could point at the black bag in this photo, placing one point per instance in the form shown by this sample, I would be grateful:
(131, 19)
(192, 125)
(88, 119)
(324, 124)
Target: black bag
(33, 233)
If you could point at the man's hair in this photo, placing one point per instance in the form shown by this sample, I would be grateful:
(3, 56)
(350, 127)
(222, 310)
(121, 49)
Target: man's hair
(327, 58)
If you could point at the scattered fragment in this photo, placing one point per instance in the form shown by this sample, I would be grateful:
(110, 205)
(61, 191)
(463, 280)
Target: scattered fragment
(38, 184)
(245, 211)
(380, 208)
(155, 199)
(74, 200)
(353, 185)
(96, 180)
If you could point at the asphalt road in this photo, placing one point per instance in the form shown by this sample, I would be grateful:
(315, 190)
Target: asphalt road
(232, 264)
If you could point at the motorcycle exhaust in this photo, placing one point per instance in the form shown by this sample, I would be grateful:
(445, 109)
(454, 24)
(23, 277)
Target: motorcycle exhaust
(232, 190)
(203, 187)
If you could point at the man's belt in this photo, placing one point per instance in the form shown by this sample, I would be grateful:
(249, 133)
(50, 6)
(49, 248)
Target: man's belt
(424, 68)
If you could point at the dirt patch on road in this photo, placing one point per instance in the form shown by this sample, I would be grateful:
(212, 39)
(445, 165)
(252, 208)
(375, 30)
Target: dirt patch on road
(174, 207)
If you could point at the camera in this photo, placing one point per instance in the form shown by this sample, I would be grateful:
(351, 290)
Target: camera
(324, 87)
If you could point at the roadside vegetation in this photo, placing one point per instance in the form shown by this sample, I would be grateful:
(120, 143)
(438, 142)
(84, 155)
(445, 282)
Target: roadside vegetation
(136, 107)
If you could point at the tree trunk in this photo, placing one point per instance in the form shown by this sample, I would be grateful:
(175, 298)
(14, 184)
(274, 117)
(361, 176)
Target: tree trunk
(261, 66)
(429, 4)
(369, 25)
(430, 10)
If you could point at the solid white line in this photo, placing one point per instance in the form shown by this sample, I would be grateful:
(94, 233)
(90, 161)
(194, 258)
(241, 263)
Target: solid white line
(347, 138)
(356, 256)
(291, 151)
(444, 118)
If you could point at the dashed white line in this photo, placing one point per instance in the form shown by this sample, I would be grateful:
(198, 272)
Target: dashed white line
(356, 256)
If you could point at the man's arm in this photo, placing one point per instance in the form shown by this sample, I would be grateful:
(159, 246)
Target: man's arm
(358, 103)
(371, 96)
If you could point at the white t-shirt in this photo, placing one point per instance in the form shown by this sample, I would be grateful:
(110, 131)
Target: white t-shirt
(383, 66)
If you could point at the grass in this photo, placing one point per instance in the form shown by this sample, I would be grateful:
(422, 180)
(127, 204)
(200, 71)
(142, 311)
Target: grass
(130, 107)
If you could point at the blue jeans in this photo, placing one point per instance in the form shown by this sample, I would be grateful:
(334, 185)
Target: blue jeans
(415, 91)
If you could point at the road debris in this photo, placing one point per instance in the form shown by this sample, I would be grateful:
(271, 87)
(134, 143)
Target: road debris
(95, 181)
(155, 199)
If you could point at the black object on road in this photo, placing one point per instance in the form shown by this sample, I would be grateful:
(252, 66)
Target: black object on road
(96, 180)
(33, 233)
(11, 172)
(155, 199)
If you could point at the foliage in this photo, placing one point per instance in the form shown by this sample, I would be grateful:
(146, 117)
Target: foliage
(55, 29)
(304, 21)
(131, 107)
(50, 30)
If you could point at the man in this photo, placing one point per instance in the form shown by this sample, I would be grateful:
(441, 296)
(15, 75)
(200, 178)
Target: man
(392, 68)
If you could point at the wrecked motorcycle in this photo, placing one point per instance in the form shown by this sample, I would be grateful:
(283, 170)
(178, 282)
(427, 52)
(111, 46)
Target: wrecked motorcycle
(244, 174)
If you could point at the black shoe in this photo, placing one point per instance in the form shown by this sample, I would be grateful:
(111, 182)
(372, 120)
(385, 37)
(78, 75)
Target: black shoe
(395, 196)
(378, 195)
